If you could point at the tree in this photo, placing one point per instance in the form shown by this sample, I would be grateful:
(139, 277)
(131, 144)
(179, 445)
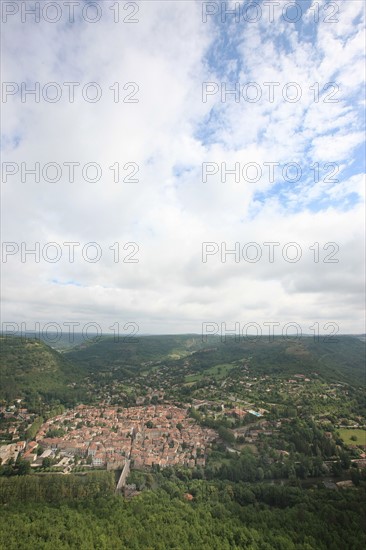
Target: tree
(337, 468)
(226, 435)
(345, 460)
(23, 467)
(260, 474)
(356, 476)
(46, 462)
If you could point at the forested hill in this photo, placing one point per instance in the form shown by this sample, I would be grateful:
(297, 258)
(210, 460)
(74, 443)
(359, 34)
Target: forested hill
(128, 351)
(30, 367)
(340, 360)
(64, 512)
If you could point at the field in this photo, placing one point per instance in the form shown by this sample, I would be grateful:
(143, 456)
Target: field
(347, 433)
(218, 372)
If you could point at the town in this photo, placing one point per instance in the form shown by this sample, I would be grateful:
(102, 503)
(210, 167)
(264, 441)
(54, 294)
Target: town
(161, 435)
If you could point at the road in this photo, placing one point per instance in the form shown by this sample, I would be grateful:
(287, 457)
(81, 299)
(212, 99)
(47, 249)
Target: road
(122, 480)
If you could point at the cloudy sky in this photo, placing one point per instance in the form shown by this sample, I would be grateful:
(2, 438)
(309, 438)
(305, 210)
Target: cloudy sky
(169, 134)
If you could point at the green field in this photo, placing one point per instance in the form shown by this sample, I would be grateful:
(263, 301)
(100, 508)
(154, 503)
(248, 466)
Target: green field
(347, 433)
(218, 372)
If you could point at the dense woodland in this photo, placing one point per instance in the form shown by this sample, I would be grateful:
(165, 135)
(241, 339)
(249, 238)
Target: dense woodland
(82, 512)
(72, 372)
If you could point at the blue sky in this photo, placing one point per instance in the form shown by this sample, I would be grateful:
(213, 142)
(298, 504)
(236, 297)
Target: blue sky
(171, 134)
(227, 60)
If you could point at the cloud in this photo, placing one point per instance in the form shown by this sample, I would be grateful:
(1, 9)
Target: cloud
(168, 135)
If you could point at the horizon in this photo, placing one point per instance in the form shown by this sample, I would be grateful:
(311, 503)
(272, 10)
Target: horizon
(94, 335)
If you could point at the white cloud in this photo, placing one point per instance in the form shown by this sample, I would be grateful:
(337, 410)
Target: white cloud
(171, 212)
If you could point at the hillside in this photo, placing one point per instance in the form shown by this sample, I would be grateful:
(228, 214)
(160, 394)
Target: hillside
(133, 352)
(30, 367)
(342, 360)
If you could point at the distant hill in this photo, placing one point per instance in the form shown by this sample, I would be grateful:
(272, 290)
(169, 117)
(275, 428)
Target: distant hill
(342, 360)
(132, 352)
(28, 366)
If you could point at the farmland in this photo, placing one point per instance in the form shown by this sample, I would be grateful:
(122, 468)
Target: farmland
(348, 435)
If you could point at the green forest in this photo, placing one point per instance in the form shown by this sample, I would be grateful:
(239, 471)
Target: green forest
(34, 371)
(82, 512)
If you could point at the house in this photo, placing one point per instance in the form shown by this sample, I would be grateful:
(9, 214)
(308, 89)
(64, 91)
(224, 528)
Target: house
(98, 459)
(344, 484)
(93, 447)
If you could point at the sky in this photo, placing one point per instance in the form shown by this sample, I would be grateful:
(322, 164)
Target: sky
(207, 165)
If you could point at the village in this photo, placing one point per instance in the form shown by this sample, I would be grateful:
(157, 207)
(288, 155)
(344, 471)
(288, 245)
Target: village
(161, 435)
(181, 426)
